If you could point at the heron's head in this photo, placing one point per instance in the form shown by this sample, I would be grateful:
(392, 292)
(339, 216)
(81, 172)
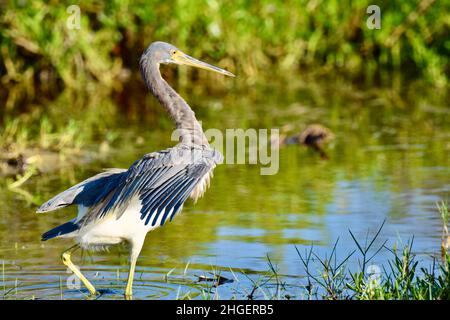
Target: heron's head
(162, 52)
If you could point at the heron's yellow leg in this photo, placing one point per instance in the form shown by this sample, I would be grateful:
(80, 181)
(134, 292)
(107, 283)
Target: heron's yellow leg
(129, 288)
(65, 257)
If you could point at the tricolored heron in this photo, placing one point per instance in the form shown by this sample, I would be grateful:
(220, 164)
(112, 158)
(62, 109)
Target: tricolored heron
(121, 205)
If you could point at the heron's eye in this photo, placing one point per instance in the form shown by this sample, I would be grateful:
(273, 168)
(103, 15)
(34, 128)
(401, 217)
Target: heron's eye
(172, 52)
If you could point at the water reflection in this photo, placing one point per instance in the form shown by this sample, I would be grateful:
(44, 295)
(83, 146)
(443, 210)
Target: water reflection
(389, 161)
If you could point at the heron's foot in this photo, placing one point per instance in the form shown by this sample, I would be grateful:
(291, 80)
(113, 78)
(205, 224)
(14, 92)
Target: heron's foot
(128, 292)
(92, 291)
(128, 296)
(65, 257)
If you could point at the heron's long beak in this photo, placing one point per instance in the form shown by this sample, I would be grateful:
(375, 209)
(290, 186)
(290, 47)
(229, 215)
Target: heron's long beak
(182, 58)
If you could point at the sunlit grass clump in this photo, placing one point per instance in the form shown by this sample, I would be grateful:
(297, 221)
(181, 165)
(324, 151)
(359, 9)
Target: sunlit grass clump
(330, 278)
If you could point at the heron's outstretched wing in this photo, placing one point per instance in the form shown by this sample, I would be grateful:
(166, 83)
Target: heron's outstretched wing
(161, 182)
(85, 193)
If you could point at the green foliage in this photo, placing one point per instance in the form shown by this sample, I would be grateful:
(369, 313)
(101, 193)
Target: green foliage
(330, 278)
(249, 37)
(52, 127)
(399, 280)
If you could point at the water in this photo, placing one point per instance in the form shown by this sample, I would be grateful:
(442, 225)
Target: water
(389, 162)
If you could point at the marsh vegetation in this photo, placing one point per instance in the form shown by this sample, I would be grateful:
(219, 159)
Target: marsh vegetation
(72, 103)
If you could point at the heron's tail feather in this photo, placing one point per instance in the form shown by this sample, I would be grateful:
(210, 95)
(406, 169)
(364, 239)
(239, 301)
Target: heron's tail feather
(63, 229)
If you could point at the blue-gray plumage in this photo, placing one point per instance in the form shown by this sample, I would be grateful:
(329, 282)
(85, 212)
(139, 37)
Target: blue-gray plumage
(123, 205)
(86, 193)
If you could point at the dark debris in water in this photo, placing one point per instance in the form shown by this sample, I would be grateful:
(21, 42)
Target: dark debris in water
(217, 279)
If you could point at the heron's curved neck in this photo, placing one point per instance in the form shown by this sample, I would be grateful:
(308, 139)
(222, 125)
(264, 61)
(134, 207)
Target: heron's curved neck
(189, 129)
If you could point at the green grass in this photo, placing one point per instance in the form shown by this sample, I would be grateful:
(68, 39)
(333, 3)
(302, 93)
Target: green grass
(445, 244)
(250, 38)
(399, 279)
(329, 278)
(18, 136)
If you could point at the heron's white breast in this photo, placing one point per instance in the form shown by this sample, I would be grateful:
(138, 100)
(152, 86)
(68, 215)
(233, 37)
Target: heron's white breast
(113, 230)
